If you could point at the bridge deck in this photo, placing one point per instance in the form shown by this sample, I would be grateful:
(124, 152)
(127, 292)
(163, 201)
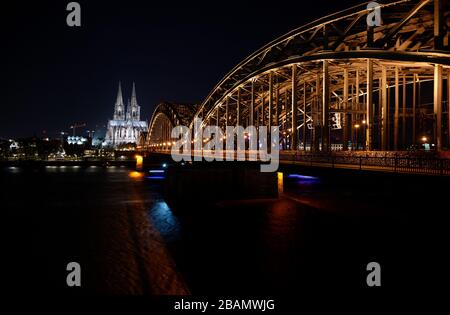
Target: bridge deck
(389, 164)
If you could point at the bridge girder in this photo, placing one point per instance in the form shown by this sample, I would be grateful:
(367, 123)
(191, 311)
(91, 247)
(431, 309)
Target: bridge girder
(165, 116)
(369, 74)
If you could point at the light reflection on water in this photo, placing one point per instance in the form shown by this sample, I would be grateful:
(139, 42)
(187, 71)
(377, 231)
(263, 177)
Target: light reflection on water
(156, 175)
(303, 180)
(304, 177)
(165, 221)
(13, 169)
(136, 175)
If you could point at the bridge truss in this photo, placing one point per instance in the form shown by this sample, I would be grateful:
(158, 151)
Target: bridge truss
(338, 84)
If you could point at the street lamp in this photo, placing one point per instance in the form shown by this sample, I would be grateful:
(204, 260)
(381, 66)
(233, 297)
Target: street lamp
(364, 122)
(425, 144)
(356, 126)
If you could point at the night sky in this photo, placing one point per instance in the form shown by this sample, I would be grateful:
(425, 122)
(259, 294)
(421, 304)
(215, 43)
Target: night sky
(53, 75)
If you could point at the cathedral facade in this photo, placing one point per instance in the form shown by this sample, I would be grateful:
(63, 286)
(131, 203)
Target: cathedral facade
(126, 125)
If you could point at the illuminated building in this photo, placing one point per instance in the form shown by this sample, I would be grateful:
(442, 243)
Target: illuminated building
(126, 126)
(76, 140)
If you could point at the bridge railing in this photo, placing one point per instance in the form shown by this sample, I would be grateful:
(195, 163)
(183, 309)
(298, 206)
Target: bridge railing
(397, 164)
(430, 165)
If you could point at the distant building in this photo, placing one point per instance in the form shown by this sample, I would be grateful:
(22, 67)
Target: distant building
(127, 126)
(76, 140)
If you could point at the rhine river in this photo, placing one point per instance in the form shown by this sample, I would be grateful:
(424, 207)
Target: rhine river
(320, 234)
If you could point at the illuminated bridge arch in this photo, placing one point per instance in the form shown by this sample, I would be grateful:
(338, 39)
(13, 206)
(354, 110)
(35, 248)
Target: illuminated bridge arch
(338, 83)
(165, 116)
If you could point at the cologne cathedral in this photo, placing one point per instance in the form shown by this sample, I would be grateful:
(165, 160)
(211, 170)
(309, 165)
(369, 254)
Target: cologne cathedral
(126, 126)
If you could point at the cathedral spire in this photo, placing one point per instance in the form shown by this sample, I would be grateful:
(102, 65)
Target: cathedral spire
(119, 100)
(133, 94)
(133, 97)
(135, 110)
(119, 108)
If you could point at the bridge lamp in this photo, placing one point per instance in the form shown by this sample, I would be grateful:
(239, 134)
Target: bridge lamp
(139, 162)
(356, 126)
(280, 182)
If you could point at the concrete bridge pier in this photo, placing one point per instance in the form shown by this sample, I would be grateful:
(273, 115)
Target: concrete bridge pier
(210, 182)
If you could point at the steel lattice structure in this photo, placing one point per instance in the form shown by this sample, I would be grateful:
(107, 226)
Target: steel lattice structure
(165, 116)
(323, 82)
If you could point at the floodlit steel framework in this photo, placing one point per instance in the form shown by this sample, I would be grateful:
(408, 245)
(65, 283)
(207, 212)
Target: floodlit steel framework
(166, 116)
(338, 84)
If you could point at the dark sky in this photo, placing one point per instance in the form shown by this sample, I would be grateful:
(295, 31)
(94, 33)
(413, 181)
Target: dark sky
(53, 75)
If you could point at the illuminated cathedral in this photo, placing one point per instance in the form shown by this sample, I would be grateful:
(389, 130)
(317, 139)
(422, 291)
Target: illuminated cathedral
(126, 126)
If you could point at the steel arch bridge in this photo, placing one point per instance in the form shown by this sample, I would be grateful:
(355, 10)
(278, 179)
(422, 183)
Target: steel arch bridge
(166, 116)
(338, 84)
